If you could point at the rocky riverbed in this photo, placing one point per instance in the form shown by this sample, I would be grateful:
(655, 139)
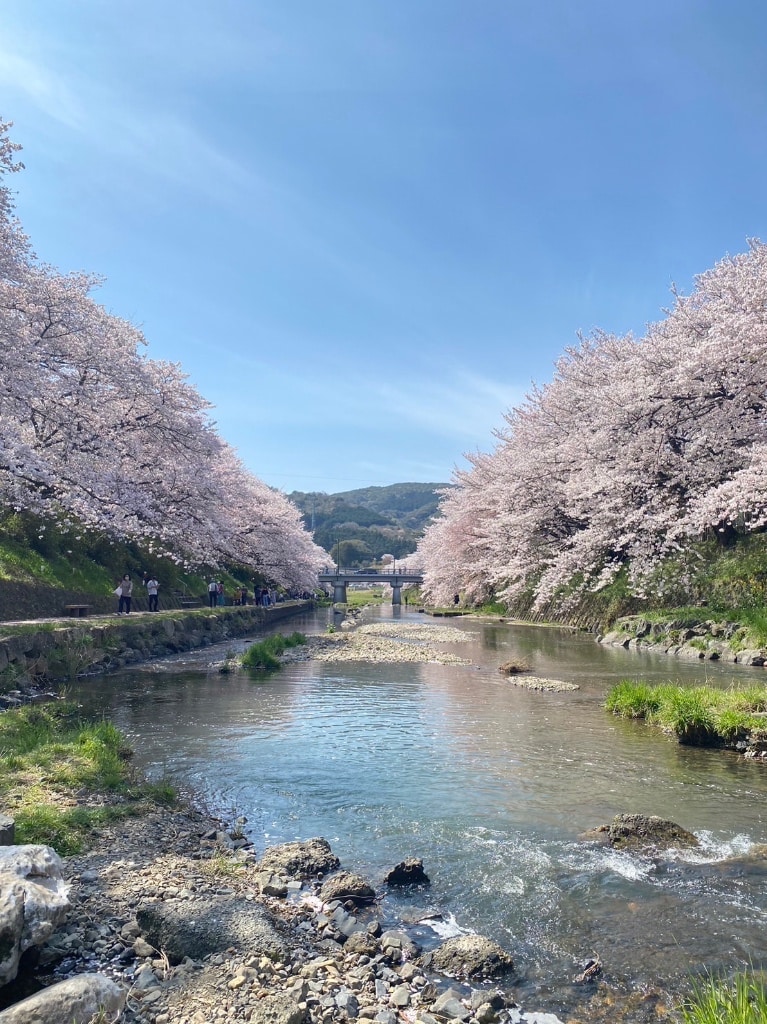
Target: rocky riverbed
(190, 926)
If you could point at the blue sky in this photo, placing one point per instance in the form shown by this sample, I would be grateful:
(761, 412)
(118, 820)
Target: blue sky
(364, 227)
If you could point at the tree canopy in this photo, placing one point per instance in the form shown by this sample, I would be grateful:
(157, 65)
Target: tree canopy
(94, 431)
(637, 448)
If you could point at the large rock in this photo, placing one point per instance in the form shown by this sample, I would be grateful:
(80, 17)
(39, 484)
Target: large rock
(347, 886)
(468, 956)
(211, 926)
(33, 902)
(300, 860)
(639, 833)
(407, 872)
(78, 1000)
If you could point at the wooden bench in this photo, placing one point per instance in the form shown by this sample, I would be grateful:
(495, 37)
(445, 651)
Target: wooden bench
(190, 602)
(78, 611)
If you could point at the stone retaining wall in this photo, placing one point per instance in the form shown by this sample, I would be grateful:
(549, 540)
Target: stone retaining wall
(58, 651)
(696, 639)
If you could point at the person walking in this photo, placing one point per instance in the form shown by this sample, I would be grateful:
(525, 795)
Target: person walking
(212, 594)
(152, 588)
(124, 592)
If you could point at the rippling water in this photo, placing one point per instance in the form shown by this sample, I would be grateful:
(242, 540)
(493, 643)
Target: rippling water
(489, 783)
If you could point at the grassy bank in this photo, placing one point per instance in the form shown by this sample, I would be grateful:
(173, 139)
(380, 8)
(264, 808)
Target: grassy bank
(266, 653)
(360, 598)
(62, 776)
(699, 715)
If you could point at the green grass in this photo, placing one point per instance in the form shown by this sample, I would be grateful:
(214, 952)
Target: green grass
(359, 598)
(492, 608)
(753, 620)
(62, 776)
(266, 654)
(699, 715)
(742, 1000)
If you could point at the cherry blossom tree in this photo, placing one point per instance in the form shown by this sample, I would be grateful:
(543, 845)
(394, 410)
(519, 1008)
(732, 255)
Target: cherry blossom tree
(95, 432)
(632, 452)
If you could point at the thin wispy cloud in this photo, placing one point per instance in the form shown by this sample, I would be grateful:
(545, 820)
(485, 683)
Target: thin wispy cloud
(46, 89)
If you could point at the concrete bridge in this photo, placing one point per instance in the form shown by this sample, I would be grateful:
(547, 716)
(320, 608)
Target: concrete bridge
(340, 578)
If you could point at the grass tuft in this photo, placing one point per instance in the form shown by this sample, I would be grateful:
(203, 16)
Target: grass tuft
(266, 654)
(699, 715)
(741, 1000)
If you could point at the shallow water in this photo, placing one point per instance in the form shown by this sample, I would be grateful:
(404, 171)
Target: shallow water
(489, 783)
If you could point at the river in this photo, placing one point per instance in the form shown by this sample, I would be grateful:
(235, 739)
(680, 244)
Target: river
(489, 783)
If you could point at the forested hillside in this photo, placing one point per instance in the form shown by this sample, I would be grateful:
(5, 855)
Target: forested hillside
(360, 526)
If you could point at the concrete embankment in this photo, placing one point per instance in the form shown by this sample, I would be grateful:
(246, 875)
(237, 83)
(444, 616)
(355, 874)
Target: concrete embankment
(44, 652)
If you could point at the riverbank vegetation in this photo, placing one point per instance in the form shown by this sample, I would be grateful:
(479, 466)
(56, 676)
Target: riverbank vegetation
(699, 715)
(266, 653)
(62, 776)
(742, 1000)
(640, 466)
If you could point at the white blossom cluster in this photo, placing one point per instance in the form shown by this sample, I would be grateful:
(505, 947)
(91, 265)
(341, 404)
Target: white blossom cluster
(94, 431)
(634, 450)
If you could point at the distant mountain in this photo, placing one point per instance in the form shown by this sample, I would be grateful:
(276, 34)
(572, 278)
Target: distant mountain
(359, 526)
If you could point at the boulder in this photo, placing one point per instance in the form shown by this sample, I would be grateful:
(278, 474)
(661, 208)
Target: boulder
(407, 872)
(211, 926)
(468, 956)
(300, 860)
(78, 1000)
(639, 833)
(347, 886)
(33, 902)
(750, 658)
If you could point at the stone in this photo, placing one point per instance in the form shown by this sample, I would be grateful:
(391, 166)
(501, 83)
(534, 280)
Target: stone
(347, 1001)
(212, 926)
(77, 1000)
(277, 1008)
(449, 1005)
(468, 956)
(142, 948)
(33, 902)
(407, 872)
(344, 885)
(750, 658)
(272, 885)
(400, 997)
(7, 830)
(639, 832)
(300, 860)
(345, 923)
(361, 943)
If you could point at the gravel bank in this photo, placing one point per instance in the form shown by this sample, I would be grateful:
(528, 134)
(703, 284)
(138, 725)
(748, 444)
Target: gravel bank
(381, 642)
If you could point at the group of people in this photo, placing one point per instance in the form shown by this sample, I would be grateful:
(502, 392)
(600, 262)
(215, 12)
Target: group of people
(261, 595)
(216, 597)
(124, 593)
